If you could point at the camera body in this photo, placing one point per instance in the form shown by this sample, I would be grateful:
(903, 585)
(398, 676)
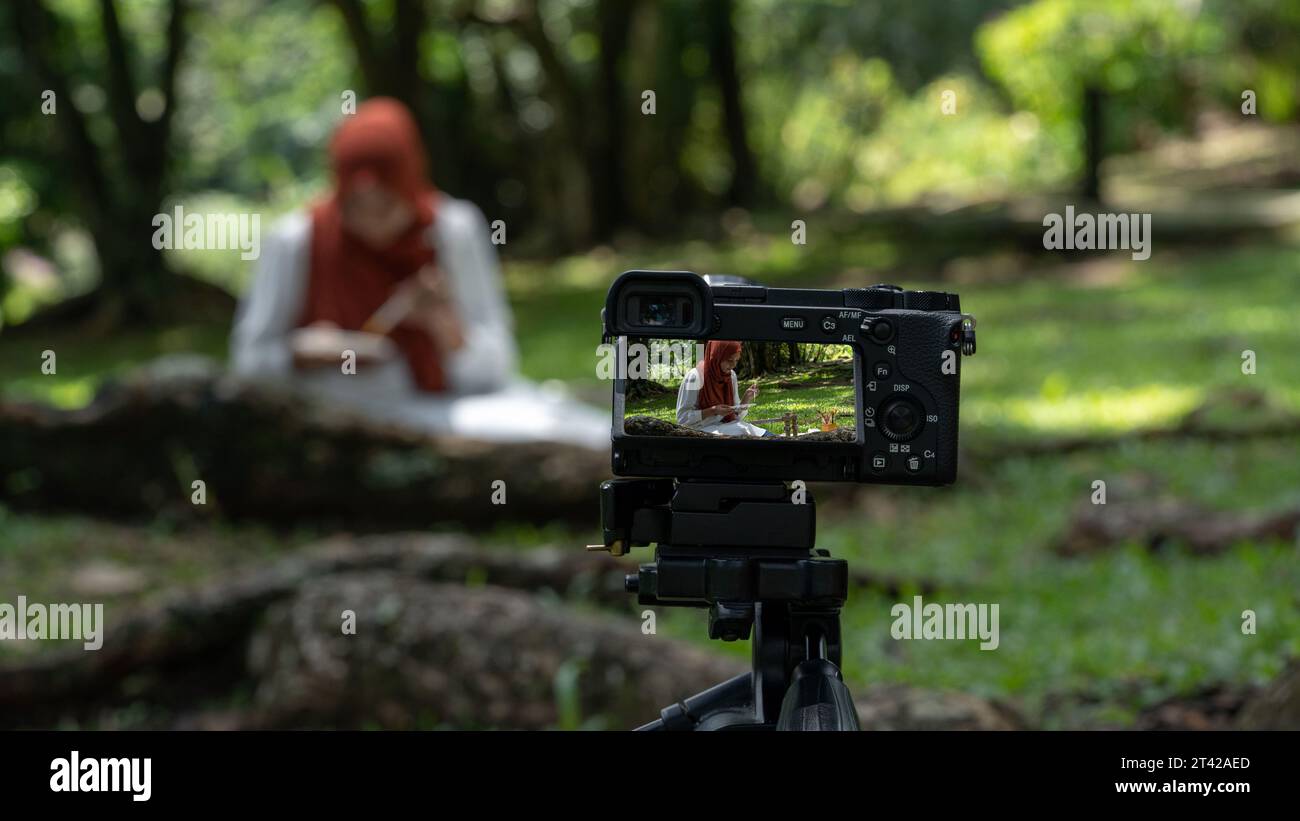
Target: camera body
(906, 348)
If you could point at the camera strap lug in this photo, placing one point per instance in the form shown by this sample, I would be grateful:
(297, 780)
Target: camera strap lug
(968, 335)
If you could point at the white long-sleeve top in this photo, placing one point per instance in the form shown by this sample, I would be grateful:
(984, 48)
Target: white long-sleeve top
(271, 309)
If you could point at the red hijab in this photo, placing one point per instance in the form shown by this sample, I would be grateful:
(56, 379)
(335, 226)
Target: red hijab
(717, 388)
(349, 279)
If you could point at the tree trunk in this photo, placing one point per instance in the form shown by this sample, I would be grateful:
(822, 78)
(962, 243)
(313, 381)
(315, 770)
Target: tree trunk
(722, 59)
(118, 213)
(614, 18)
(762, 358)
(1094, 135)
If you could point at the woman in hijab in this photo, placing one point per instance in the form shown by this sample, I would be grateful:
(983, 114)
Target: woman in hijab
(387, 296)
(709, 396)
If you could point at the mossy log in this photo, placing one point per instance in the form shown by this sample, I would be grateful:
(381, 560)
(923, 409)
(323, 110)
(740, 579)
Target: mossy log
(267, 454)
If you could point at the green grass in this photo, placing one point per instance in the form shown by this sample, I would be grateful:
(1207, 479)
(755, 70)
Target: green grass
(1083, 641)
(82, 363)
(78, 559)
(1057, 355)
(1060, 352)
(1124, 623)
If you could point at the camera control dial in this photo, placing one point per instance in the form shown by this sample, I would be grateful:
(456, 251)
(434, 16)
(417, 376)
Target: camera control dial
(901, 418)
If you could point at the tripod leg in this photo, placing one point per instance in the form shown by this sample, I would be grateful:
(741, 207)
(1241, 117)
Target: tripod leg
(786, 635)
(818, 700)
(770, 652)
(728, 704)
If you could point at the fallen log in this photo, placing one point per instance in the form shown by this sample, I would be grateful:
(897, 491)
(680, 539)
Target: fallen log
(198, 646)
(477, 658)
(438, 655)
(1158, 523)
(900, 707)
(192, 623)
(1276, 706)
(264, 453)
(1215, 707)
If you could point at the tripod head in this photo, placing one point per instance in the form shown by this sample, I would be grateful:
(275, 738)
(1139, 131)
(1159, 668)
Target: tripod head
(745, 552)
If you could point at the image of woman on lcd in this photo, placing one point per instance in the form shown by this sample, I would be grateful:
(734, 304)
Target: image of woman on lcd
(709, 397)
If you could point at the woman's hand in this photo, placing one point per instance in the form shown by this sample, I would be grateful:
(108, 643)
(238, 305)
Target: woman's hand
(434, 310)
(750, 393)
(719, 410)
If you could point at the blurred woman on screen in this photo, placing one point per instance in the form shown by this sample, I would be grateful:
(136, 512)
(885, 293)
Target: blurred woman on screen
(709, 397)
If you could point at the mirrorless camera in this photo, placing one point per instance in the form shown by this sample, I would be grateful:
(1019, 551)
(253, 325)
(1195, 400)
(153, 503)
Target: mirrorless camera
(852, 385)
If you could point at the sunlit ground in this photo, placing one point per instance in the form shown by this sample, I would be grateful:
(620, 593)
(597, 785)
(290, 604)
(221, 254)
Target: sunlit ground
(1083, 641)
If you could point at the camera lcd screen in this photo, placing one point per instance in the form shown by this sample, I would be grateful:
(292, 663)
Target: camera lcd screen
(768, 391)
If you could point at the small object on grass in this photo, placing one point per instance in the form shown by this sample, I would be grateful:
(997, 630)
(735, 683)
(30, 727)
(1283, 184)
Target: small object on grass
(828, 420)
(789, 423)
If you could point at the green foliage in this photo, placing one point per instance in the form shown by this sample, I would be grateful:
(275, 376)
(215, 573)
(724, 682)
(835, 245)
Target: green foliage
(842, 103)
(1139, 54)
(85, 363)
(1047, 51)
(1127, 626)
(979, 152)
(261, 96)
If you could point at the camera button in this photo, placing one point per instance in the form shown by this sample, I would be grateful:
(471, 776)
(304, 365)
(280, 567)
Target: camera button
(879, 462)
(913, 464)
(879, 329)
(882, 370)
(829, 325)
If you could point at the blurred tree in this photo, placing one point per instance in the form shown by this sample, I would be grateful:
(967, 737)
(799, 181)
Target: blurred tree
(1092, 69)
(614, 19)
(763, 358)
(391, 44)
(119, 163)
(539, 110)
(666, 60)
(571, 79)
(722, 60)
(1260, 40)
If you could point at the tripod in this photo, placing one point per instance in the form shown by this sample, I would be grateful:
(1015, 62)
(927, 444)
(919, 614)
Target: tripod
(745, 552)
